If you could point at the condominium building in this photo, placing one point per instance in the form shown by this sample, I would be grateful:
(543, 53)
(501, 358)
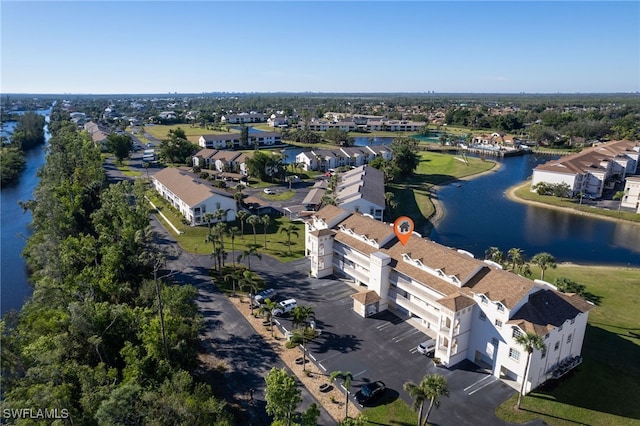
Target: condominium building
(473, 308)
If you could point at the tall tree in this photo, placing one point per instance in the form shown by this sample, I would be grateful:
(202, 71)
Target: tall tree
(516, 257)
(119, 145)
(346, 378)
(252, 250)
(529, 341)
(233, 233)
(434, 386)
(254, 220)
(544, 261)
(242, 215)
(290, 230)
(266, 221)
(282, 395)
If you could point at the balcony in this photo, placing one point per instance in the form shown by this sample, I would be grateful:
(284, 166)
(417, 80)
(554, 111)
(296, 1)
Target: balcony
(412, 307)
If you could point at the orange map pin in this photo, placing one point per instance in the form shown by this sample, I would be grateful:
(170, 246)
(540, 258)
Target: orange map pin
(403, 227)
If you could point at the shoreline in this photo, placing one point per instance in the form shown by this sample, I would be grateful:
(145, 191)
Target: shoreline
(510, 193)
(439, 211)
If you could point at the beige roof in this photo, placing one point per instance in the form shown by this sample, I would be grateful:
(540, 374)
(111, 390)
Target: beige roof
(322, 232)
(206, 153)
(456, 302)
(372, 229)
(188, 188)
(366, 297)
(355, 243)
(328, 212)
(589, 159)
(499, 286)
(435, 256)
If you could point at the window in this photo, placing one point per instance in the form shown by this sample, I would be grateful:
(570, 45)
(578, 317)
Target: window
(516, 332)
(569, 338)
(560, 328)
(484, 299)
(494, 341)
(498, 323)
(573, 320)
(557, 346)
(500, 307)
(544, 353)
(482, 316)
(514, 354)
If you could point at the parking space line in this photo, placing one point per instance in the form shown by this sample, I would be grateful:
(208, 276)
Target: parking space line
(484, 386)
(476, 383)
(322, 366)
(386, 324)
(312, 357)
(406, 334)
(362, 372)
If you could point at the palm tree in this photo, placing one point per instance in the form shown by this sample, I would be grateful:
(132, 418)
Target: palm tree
(301, 314)
(233, 233)
(220, 228)
(494, 254)
(290, 230)
(529, 341)
(234, 277)
(346, 377)
(516, 256)
(252, 250)
(619, 196)
(266, 221)
(242, 215)
(430, 388)
(544, 261)
(254, 220)
(238, 196)
(213, 239)
(247, 279)
(267, 309)
(419, 396)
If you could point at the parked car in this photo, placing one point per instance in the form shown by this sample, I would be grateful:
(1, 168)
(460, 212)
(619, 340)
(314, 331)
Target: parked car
(427, 348)
(284, 307)
(264, 295)
(370, 392)
(269, 191)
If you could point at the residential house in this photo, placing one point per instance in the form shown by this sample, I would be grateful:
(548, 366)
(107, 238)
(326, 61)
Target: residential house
(631, 196)
(98, 134)
(224, 141)
(278, 121)
(473, 309)
(325, 159)
(593, 169)
(204, 158)
(191, 196)
(244, 117)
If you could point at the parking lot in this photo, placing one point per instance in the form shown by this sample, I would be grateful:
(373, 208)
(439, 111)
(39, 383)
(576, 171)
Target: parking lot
(381, 347)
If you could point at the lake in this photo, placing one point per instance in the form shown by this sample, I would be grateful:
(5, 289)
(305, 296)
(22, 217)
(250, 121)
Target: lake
(478, 215)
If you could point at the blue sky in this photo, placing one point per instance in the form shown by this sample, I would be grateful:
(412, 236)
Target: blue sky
(330, 46)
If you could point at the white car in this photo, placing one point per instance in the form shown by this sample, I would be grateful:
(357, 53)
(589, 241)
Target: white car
(284, 307)
(269, 191)
(264, 295)
(427, 348)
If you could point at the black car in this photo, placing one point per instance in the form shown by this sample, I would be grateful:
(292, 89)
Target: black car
(370, 392)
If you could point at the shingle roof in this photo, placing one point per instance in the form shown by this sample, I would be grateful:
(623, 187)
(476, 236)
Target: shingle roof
(589, 159)
(548, 309)
(328, 212)
(187, 187)
(372, 229)
(366, 297)
(499, 286)
(456, 302)
(362, 182)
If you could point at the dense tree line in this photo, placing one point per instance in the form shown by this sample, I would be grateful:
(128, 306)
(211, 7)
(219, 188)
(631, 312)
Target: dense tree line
(28, 134)
(104, 336)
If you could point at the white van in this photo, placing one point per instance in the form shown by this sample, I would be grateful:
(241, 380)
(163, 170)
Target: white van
(284, 307)
(427, 348)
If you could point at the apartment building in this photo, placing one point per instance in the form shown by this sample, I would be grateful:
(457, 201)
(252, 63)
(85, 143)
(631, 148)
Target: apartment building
(473, 309)
(592, 170)
(191, 196)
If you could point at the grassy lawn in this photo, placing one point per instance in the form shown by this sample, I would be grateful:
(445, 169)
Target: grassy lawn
(394, 413)
(192, 238)
(160, 131)
(434, 169)
(605, 389)
(124, 168)
(525, 193)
